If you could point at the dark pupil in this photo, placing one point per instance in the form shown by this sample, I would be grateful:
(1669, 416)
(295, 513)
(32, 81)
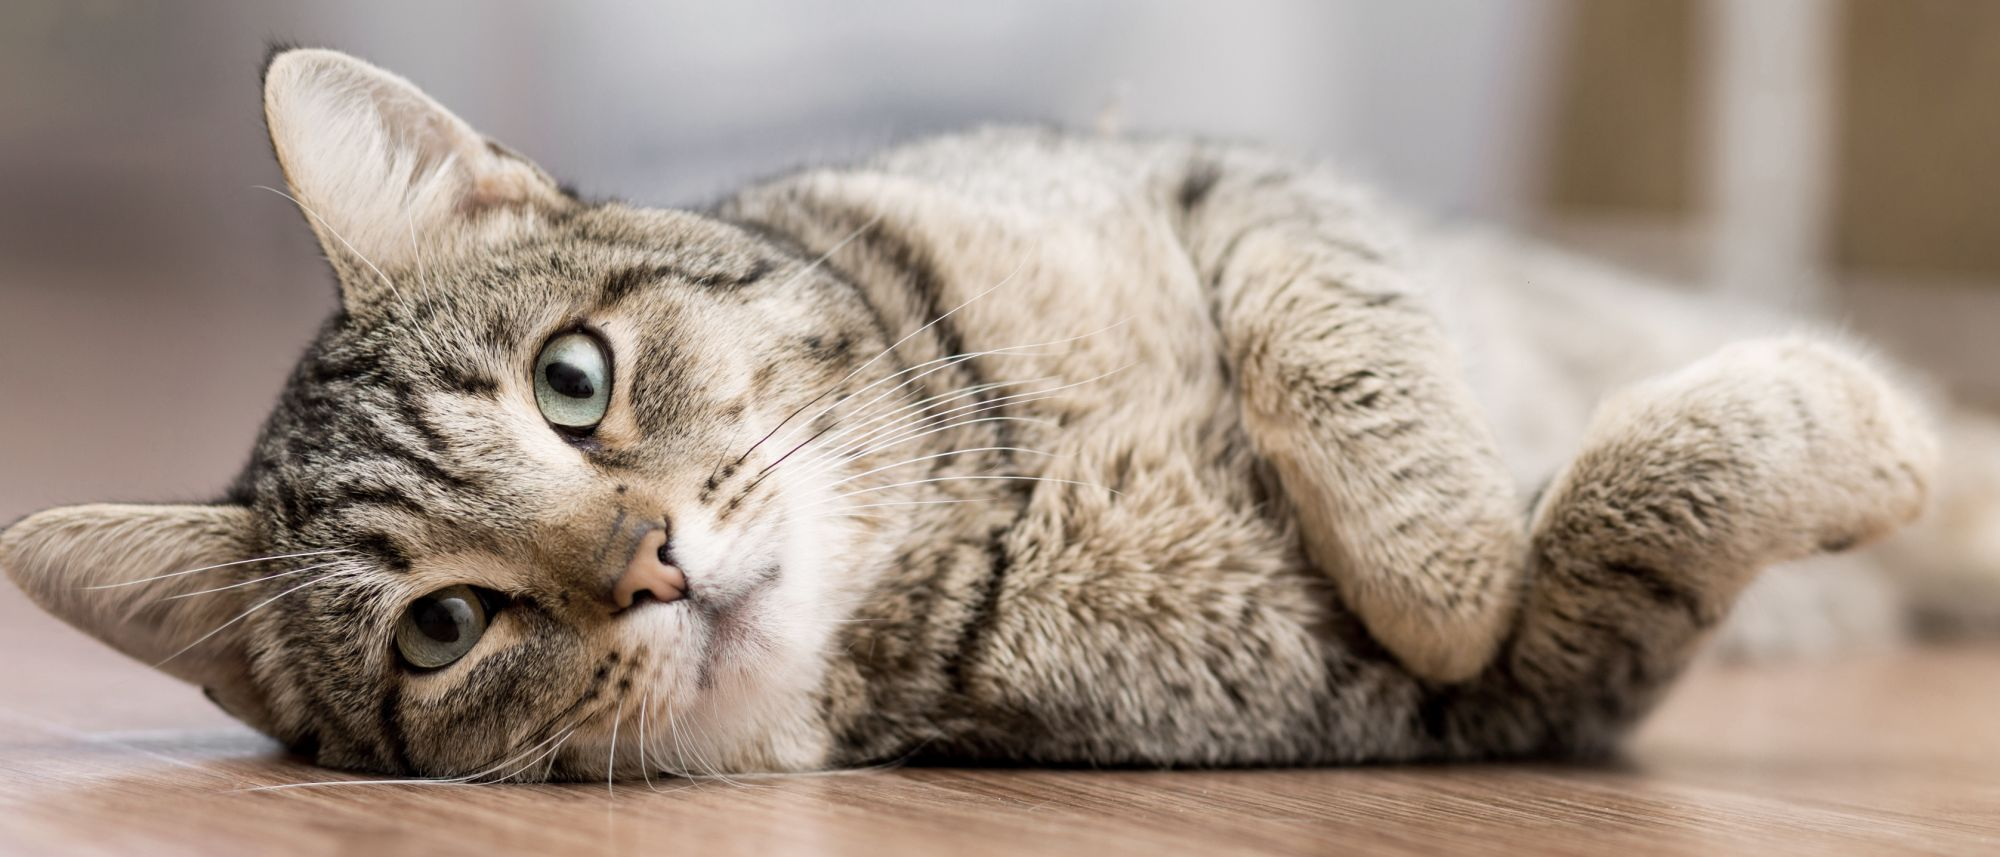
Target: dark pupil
(441, 618)
(570, 381)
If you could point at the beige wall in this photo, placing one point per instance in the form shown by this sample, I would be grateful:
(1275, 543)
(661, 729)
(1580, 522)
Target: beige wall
(1918, 140)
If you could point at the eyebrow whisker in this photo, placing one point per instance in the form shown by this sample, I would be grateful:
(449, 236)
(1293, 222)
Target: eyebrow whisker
(252, 581)
(216, 566)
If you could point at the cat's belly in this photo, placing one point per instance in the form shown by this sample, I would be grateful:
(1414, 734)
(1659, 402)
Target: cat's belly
(1164, 610)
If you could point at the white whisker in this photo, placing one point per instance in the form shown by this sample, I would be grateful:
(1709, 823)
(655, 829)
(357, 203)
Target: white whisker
(611, 758)
(914, 433)
(974, 478)
(908, 461)
(947, 361)
(879, 355)
(239, 617)
(823, 257)
(553, 743)
(466, 779)
(714, 770)
(923, 502)
(214, 567)
(847, 454)
(844, 511)
(265, 578)
(910, 428)
(645, 749)
(872, 422)
(680, 748)
(336, 234)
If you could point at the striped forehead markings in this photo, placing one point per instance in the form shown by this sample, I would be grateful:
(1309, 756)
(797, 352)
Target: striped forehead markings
(622, 283)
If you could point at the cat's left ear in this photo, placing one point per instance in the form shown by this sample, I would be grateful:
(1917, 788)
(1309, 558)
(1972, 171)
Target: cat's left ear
(382, 170)
(159, 583)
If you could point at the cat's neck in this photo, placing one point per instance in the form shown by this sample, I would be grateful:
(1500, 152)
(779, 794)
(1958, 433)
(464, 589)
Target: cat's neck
(939, 567)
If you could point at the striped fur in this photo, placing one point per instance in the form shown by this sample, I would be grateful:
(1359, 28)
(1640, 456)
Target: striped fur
(1262, 499)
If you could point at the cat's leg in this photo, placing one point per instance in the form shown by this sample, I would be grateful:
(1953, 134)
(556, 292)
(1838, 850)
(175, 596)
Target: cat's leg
(1350, 389)
(1687, 485)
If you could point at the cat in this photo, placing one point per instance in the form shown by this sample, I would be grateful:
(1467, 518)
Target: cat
(1008, 445)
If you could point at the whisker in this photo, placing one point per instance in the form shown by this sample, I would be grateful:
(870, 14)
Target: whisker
(701, 759)
(910, 428)
(646, 750)
(948, 361)
(714, 770)
(465, 779)
(917, 431)
(975, 478)
(336, 234)
(680, 748)
(879, 355)
(939, 399)
(611, 758)
(766, 473)
(846, 455)
(252, 581)
(214, 567)
(844, 510)
(908, 461)
(923, 502)
(239, 617)
(823, 257)
(550, 755)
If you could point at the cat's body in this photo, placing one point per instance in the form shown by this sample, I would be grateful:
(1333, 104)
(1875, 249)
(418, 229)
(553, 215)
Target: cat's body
(1237, 473)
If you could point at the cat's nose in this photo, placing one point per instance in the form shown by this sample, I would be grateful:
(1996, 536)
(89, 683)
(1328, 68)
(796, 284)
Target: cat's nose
(652, 572)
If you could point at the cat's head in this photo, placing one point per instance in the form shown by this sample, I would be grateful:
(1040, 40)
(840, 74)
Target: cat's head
(523, 400)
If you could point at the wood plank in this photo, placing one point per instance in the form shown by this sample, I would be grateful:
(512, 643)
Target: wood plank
(1894, 754)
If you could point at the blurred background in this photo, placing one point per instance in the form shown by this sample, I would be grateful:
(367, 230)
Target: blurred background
(1832, 155)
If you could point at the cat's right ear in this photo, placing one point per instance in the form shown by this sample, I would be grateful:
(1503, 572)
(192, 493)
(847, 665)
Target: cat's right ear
(387, 175)
(154, 582)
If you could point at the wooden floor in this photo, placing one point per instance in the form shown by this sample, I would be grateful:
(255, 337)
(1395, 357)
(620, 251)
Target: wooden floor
(1892, 754)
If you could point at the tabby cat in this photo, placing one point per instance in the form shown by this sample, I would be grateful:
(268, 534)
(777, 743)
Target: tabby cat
(1009, 445)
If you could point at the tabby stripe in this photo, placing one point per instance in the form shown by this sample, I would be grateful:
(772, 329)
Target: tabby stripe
(921, 278)
(985, 611)
(1662, 588)
(392, 725)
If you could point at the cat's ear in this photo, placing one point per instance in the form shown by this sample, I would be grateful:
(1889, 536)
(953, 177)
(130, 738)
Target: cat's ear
(382, 170)
(123, 575)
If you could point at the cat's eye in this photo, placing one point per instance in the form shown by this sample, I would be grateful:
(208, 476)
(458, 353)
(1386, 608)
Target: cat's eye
(438, 629)
(573, 381)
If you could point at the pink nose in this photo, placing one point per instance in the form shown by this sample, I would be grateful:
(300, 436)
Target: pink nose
(650, 572)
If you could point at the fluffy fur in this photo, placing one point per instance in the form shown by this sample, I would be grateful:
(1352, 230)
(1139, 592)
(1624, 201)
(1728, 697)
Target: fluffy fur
(1007, 445)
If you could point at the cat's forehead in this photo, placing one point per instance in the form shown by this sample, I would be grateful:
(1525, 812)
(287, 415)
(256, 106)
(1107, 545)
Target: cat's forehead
(398, 408)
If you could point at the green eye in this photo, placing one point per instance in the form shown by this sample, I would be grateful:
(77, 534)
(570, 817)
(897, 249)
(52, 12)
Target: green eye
(441, 627)
(573, 381)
